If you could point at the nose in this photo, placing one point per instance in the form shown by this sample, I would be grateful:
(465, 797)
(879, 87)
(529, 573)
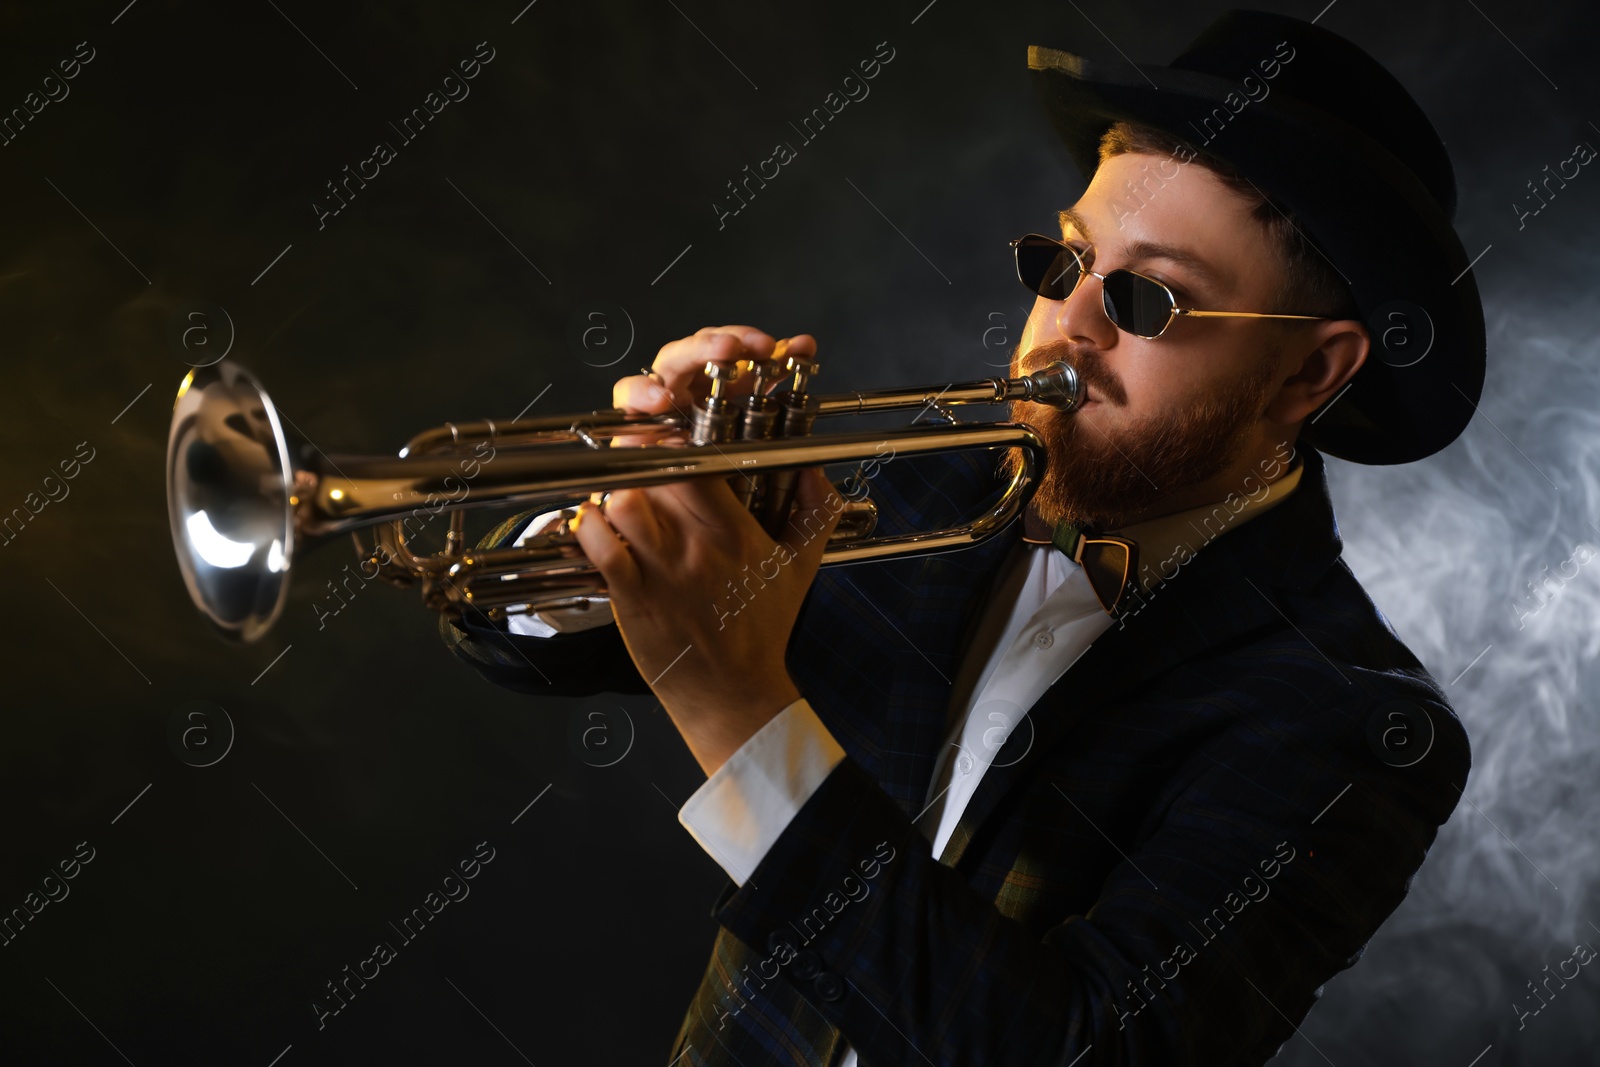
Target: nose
(1080, 318)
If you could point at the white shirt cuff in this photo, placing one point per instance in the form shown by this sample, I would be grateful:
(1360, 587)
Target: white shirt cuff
(742, 809)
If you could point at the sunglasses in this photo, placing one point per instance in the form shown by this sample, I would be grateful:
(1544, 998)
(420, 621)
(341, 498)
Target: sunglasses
(1133, 302)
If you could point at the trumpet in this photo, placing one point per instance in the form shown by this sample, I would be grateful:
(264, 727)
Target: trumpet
(246, 499)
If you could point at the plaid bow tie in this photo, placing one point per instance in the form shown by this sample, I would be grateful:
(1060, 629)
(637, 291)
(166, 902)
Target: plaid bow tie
(1109, 562)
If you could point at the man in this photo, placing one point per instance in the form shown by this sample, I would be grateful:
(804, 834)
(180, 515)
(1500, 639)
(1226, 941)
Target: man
(1130, 783)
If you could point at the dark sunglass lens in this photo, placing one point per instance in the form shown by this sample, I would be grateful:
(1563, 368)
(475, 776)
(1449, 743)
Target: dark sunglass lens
(1136, 303)
(1046, 268)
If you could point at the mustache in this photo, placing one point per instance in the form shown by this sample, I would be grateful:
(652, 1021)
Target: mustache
(1086, 361)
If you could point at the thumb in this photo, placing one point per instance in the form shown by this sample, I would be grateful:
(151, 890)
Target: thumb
(817, 509)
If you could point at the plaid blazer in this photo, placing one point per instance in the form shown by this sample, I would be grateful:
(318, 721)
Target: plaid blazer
(1199, 824)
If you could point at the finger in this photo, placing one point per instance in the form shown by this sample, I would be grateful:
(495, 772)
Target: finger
(702, 505)
(680, 367)
(633, 514)
(605, 549)
(804, 345)
(675, 384)
(801, 346)
(639, 392)
(681, 363)
(655, 432)
(757, 341)
(817, 509)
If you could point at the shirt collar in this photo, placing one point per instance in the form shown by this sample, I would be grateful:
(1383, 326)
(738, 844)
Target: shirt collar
(1169, 541)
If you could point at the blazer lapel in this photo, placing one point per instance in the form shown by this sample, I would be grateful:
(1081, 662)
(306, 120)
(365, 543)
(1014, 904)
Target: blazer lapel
(1227, 589)
(949, 593)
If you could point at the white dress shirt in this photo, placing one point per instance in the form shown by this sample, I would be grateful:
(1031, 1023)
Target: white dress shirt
(1041, 616)
(1039, 619)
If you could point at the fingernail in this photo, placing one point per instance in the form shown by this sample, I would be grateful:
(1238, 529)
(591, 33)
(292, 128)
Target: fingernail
(657, 393)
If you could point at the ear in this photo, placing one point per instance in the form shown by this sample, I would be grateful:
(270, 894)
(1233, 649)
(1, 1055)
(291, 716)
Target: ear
(1329, 356)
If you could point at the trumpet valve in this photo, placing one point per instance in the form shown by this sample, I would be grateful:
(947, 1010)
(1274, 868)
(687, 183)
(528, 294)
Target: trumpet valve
(714, 420)
(766, 371)
(721, 374)
(804, 368)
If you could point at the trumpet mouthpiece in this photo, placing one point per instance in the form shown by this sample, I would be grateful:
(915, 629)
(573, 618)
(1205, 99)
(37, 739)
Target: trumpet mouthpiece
(1057, 385)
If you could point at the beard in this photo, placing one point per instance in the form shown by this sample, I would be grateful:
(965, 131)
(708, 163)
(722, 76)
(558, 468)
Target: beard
(1106, 478)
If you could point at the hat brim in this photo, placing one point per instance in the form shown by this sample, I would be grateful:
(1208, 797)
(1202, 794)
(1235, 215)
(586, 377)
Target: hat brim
(1364, 209)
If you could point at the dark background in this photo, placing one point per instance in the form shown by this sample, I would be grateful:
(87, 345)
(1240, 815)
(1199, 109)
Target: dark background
(583, 163)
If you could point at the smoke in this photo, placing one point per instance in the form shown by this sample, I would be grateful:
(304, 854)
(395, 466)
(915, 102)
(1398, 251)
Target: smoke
(1473, 555)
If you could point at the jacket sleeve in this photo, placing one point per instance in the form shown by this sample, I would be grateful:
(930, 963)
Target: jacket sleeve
(564, 665)
(1272, 866)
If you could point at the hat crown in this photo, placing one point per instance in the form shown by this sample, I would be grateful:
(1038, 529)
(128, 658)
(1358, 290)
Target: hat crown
(1329, 73)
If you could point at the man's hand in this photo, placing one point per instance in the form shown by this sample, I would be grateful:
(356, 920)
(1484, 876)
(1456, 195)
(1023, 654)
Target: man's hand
(679, 365)
(704, 598)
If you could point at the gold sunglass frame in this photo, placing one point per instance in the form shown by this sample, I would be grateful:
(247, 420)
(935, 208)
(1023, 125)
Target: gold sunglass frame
(1172, 299)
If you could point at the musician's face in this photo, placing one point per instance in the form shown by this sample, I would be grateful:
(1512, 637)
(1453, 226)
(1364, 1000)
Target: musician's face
(1171, 420)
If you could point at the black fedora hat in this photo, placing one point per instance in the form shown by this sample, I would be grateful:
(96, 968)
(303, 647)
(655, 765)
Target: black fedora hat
(1324, 130)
